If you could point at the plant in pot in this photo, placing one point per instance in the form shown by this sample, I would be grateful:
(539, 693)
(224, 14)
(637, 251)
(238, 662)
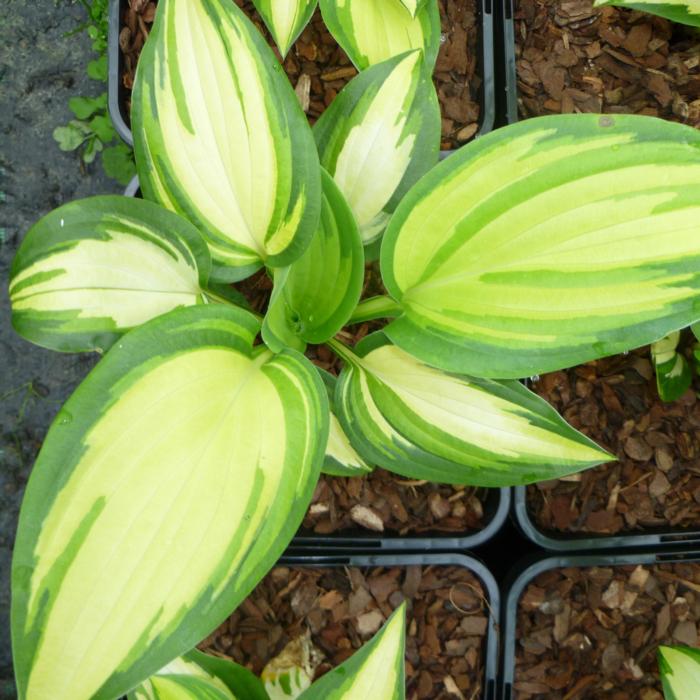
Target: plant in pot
(377, 509)
(179, 470)
(335, 44)
(593, 626)
(377, 671)
(578, 57)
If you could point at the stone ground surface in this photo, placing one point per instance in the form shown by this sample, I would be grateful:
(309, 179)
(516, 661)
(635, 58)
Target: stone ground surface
(40, 69)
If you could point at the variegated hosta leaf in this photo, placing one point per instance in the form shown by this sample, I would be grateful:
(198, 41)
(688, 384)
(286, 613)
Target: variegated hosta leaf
(92, 269)
(425, 424)
(341, 457)
(318, 293)
(150, 512)
(548, 243)
(683, 11)
(198, 676)
(673, 373)
(413, 5)
(291, 672)
(220, 137)
(376, 670)
(285, 19)
(371, 31)
(379, 136)
(680, 672)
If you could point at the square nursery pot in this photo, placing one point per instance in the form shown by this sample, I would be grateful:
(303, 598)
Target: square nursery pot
(587, 627)
(626, 85)
(564, 57)
(452, 630)
(456, 71)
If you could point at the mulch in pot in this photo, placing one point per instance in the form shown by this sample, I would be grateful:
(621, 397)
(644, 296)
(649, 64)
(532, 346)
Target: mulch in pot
(318, 68)
(656, 481)
(447, 622)
(572, 57)
(592, 634)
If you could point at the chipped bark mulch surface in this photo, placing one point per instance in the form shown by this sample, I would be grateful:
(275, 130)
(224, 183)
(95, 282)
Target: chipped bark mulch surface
(319, 68)
(384, 501)
(656, 481)
(447, 621)
(589, 634)
(572, 57)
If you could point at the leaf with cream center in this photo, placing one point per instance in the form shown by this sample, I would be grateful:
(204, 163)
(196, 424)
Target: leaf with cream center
(220, 137)
(150, 513)
(90, 270)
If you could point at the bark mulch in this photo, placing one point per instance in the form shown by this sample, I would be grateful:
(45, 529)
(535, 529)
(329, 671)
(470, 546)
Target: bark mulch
(318, 68)
(592, 634)
(447, 622)
(572, 57)
(656, 481)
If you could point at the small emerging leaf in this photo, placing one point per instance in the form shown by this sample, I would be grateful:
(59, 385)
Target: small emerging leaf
(285, 19)
(315, 297)
(673, 373)
(413, 5)
(372, 31)
(290, 673)
(376, 671)
(680, 672)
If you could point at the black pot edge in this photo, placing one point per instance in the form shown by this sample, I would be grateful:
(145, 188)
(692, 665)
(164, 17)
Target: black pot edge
(486, 41)
(577, 543)
(532, 566)
(114, 74)
(447, 559)
(434, 543)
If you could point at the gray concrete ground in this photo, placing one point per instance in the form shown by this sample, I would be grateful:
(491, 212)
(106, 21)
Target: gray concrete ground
(40, 69)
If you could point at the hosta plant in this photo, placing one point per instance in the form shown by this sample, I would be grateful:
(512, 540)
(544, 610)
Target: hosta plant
(180, 469)
(680, 672)
(375, 671)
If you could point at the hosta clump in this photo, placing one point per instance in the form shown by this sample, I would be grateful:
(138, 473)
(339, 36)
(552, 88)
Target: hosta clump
(180, 469)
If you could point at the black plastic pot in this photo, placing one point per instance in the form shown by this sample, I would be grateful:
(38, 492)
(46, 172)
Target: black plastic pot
(508, 77)
(531, 568)
(572, 542)
(473, 565)
(117, 101)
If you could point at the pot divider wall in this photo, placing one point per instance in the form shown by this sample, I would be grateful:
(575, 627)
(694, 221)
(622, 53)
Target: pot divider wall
(524, 574)
(117, 96)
